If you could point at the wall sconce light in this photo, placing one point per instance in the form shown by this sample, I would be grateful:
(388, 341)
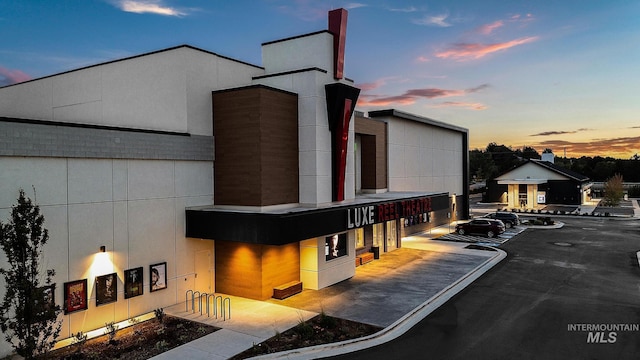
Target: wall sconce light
(103, 248)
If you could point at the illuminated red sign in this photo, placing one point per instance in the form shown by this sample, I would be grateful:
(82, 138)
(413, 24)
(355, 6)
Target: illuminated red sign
(360, 216)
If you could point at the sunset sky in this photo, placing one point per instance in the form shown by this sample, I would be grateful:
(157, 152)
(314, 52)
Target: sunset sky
(552, 74)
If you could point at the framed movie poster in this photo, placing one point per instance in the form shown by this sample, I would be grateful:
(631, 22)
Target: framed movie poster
(158, 276)
(106, 289)
(133, 282)
(335, 246)
(75, 296)
(46, 303)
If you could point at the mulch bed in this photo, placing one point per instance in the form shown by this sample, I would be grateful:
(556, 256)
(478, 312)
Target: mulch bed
(321, 329)
(137, 342)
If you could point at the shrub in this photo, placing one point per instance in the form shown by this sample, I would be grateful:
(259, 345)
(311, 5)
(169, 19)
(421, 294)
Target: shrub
(110, 330)
(327, 321)
(162, 345)
(79, 339)
(304, 330)
(613, 190)
(159, 313)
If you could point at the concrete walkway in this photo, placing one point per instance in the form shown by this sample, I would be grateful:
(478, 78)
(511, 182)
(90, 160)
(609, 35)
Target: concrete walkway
(394, 292)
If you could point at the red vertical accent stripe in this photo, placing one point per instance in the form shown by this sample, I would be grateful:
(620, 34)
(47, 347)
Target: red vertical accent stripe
(342, 147)
(338, 27)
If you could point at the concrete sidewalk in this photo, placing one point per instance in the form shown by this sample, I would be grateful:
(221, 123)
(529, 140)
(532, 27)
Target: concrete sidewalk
(394, 292)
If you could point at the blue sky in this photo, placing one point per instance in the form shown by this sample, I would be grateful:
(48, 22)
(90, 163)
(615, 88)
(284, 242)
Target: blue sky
(552, 74)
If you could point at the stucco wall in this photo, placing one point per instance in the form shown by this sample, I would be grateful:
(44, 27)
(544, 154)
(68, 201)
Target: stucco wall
(145, 92)
(316, 272)
(133, 207)
(423, 157)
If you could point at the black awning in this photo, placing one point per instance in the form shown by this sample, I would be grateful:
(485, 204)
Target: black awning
(280, 228)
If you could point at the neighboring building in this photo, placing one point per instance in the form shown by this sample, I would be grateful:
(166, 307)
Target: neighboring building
(537, 183)
(225, 176)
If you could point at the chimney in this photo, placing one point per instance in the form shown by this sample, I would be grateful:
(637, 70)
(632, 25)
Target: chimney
(549, 157)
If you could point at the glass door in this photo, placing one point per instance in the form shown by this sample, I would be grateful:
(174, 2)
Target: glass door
(392, 235)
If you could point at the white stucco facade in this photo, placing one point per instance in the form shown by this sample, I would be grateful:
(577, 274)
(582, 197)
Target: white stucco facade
(134, 208)
(424, 157)
(168, 90)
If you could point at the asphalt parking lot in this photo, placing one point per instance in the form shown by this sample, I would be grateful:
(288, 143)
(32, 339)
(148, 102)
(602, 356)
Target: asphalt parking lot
(537, 303)
(483, 240)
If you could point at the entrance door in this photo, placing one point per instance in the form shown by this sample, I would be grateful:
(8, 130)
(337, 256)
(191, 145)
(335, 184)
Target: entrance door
(203, 271)
(378, 236)
(392, 235)
(523, 200)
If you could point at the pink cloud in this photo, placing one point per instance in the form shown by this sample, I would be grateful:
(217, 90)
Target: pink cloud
(487, 29)
(422, 59)
(8, 76)
(434, 93)
(465, 51)
(473, 106)
(371, 86)
(373, 100)
(410, 96)
(520, 18)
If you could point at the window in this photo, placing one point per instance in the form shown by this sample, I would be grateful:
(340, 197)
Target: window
(378, 235)
(359, 238)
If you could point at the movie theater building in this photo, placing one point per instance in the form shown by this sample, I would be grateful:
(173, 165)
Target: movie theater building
(222, 175)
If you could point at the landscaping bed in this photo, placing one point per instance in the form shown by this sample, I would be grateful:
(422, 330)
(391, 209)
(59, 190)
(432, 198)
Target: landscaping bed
(321, 329)
(140, 341)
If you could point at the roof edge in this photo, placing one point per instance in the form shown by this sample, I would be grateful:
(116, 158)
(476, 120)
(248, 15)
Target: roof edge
(413, 117)
(134, 57)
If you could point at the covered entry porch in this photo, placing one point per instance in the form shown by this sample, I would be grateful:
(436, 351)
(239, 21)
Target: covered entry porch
(524, 193)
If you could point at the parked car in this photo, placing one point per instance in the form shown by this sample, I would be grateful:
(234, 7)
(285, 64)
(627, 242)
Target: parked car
(509, 219)
(484, 226)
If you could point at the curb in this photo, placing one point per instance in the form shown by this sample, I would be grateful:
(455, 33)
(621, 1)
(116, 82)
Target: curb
(396, 329)
(556, 225)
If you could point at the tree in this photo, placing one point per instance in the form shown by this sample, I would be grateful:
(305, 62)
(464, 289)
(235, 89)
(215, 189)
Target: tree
(481, 165)
(503, 157)
(604, 170)
(613, 190)
(530, 153)
(28, 317)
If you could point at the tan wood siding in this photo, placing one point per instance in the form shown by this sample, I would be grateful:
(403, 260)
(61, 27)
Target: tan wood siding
(239, 269)
(252, 270)
(280, 265)
(256, 147)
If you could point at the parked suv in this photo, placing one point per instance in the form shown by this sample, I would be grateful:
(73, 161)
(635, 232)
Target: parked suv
(484, 226)
(509, 219)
